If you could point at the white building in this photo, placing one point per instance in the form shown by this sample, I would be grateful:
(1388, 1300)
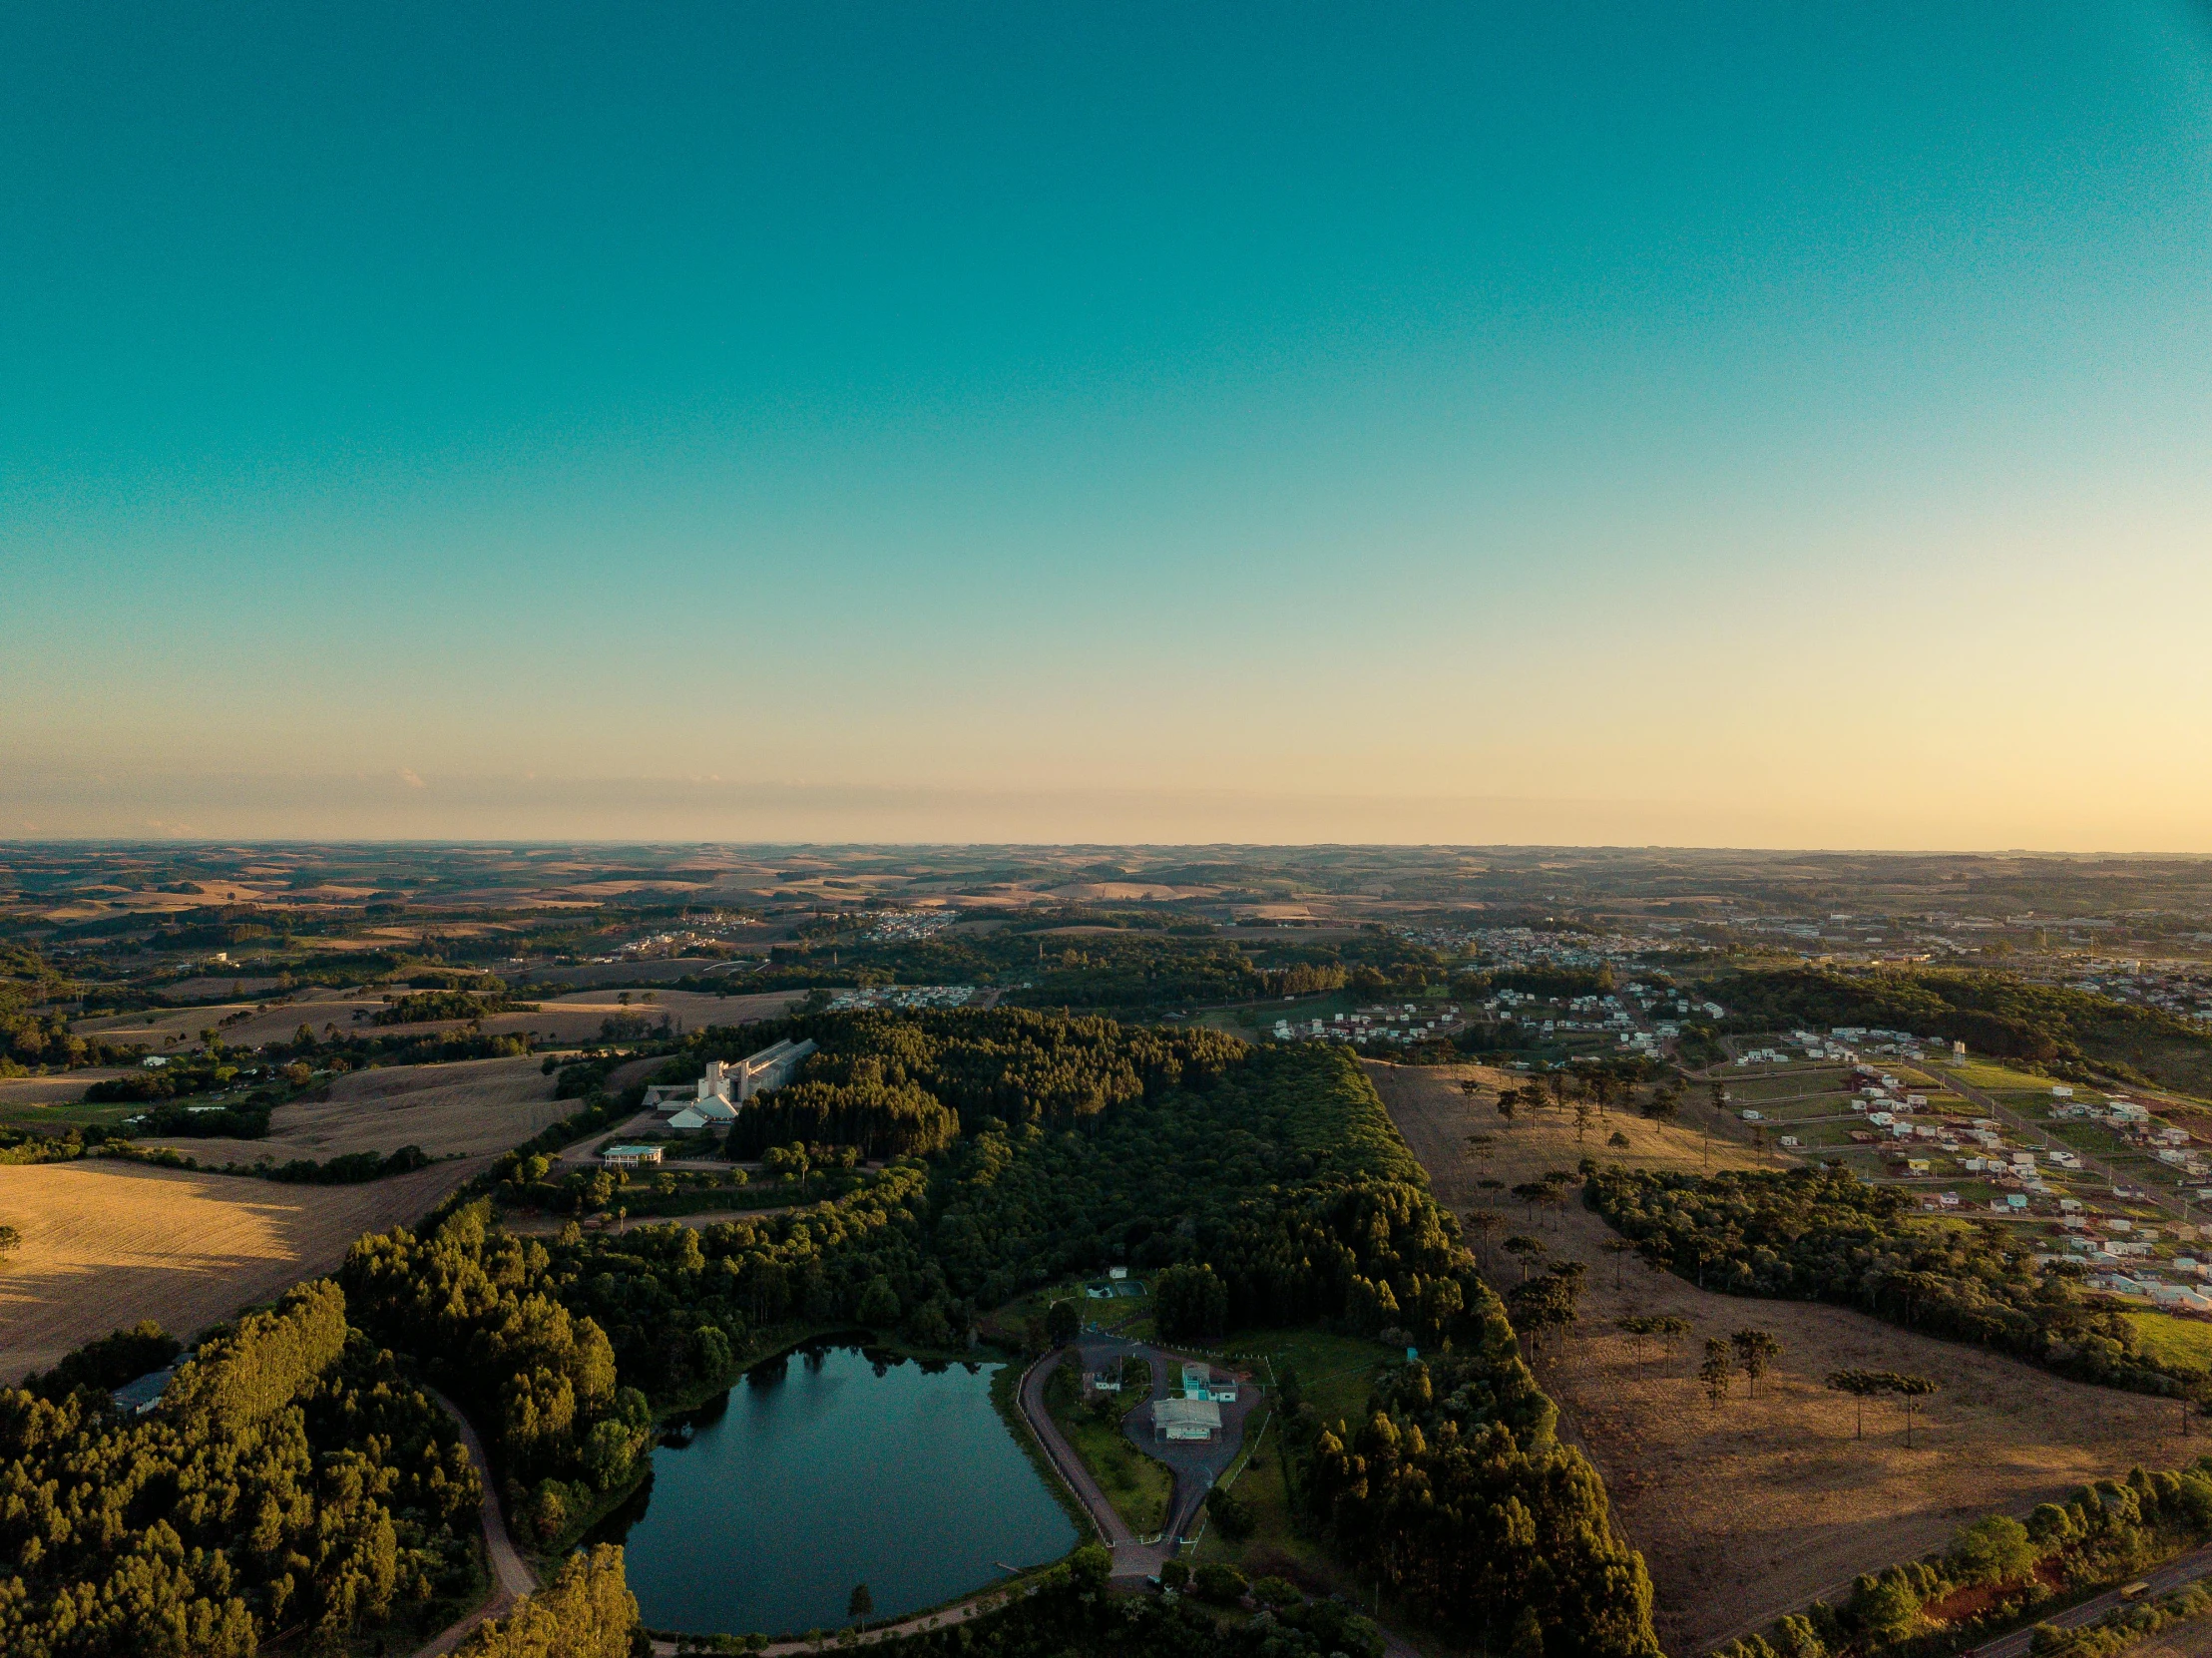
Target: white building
(1186, 1419)
(716, 1097)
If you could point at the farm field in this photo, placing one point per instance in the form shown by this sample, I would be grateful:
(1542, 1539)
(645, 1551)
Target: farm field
(2180, 1340)
(106, 1244)
(59, 1090)
(471, 1108)
(1748, 1511)
(276, 1022)
(574, 1017)
(577, 1016)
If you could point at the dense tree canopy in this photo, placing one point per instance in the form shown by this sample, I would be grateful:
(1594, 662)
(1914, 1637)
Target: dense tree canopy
(290, 1479)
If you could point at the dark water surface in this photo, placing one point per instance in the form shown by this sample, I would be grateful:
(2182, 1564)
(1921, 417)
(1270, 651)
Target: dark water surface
(831, 1468)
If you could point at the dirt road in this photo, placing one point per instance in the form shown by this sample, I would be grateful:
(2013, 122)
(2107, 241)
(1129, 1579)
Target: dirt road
(511, 1577)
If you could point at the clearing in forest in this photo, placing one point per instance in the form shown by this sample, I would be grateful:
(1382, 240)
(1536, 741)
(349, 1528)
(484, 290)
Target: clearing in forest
(1749, 1510)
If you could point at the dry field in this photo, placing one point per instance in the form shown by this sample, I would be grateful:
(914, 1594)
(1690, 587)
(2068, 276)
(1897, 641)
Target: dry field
(2184, 1640)
(1750, 1510)
(276, 1022)
(473, 1107)
(569, 1018)
(106, 1244)
(577, 1015)
(52, 1091)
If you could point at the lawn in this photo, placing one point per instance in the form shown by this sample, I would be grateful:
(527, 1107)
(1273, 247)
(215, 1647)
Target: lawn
(1334, 1375)
(2178, 1340)
(1136, 1486)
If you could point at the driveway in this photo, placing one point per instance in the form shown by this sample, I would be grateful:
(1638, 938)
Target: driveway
(1195, 1464)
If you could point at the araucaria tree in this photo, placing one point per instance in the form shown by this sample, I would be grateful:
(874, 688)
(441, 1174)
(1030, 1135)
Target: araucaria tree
(1719, 1365)
(1756, 1352)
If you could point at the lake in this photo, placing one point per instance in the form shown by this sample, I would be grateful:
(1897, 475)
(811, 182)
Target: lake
(832, 1466)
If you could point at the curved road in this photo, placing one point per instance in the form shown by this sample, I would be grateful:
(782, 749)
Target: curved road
(511, 1578)
(1131, 1557)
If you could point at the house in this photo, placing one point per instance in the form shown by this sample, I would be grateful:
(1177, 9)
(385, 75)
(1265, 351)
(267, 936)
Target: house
(1186, 1418)
(135, 1398)
(2179, 1295)
(630, 1157)
(1199, 1381)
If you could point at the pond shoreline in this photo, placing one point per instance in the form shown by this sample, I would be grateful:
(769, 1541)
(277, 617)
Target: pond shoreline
(854, 1463)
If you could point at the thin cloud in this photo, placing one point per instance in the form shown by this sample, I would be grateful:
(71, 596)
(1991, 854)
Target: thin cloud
(408, 776)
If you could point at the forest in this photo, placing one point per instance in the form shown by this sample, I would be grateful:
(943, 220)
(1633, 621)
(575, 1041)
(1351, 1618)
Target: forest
(292, 1483)
(1826, 1235)
(1138, 963)
(296, 1478)
(1269, 1183)
(423, 1006)
(1458, 1493)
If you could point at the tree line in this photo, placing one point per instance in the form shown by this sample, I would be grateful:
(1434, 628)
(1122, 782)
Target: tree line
(1816, 1234)
(2106, 1533)
(1998, 1013)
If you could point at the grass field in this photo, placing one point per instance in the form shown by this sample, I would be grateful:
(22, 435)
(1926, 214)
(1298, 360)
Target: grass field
(1138, 1487)
(1334, 1374)
(471, 1108)
(1749, 1511)
(2183, 1341)
(106, 1244)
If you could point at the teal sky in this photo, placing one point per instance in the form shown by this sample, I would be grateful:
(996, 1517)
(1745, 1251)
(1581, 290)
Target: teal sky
(1715, 423)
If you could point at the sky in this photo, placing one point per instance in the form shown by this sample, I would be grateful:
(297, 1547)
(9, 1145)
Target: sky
(1635, 422)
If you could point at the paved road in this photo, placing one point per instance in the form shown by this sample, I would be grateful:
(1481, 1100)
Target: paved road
(1130, 1559)
(2174, 1574)
(511, 1577)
